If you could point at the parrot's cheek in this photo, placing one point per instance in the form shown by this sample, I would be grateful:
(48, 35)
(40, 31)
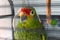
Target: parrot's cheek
(29, 16)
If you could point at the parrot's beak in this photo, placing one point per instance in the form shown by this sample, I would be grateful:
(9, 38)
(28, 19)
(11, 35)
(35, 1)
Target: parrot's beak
(23, 16)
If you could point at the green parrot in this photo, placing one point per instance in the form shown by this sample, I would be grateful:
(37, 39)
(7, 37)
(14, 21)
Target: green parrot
(29, 26)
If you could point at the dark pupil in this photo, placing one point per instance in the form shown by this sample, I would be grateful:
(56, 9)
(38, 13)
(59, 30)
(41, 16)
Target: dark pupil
(32, 12)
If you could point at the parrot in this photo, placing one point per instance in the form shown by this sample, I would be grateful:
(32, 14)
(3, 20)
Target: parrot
(29, 26)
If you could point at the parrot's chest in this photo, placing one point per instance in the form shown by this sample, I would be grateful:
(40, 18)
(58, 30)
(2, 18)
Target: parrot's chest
(32, 24)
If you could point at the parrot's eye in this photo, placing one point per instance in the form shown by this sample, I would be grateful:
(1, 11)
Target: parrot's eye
(32, 13)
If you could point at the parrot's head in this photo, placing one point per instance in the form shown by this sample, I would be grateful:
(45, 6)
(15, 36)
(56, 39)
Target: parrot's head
(27, 12)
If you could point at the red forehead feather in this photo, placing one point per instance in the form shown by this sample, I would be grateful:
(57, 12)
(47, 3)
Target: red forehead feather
(26, 10)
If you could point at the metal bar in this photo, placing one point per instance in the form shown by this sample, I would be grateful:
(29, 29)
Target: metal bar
(5, 16)
(12, 9)
(38, 5)
(5, 28)
(12, 6)
(4, 38)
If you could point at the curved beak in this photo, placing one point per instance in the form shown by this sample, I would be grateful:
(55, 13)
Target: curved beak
(23, 16)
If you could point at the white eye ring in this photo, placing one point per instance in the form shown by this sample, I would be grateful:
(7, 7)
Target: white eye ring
(32, 13)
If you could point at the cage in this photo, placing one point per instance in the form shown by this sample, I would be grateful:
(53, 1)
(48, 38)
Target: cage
(9, 8)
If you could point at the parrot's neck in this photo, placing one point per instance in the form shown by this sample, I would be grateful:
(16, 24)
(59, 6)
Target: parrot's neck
(37, 18)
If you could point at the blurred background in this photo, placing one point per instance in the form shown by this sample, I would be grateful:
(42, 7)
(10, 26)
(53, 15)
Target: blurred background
(9, 8)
